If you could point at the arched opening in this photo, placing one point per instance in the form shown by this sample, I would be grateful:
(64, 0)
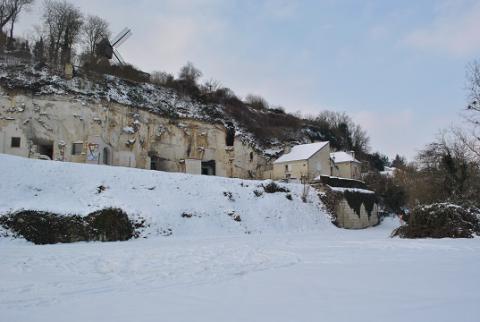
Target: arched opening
(230, 137)
(106, 156)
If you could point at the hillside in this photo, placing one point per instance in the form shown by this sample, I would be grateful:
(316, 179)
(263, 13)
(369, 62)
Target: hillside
(266, 130)
(170, 203)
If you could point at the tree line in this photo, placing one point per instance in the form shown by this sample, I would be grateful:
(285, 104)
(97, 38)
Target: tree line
(445, 170)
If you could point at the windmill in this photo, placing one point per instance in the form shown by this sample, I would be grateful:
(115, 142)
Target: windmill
(107, 48)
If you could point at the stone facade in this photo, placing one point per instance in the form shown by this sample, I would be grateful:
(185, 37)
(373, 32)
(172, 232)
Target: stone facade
(348, 169)
(65, 128)
(347, 218)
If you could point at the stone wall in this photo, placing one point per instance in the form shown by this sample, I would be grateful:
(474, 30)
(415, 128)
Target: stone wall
(348, 218)
(65, 128)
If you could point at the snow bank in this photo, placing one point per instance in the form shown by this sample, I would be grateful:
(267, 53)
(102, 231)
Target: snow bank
(171, 203)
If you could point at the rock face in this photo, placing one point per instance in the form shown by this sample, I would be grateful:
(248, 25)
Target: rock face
(42, 227)
(64, 128)
(441, 220)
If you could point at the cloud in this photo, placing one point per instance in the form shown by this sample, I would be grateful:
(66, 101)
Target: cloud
(454, 30)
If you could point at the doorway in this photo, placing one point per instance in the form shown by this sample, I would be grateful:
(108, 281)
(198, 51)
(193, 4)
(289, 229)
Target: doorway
(208, 168)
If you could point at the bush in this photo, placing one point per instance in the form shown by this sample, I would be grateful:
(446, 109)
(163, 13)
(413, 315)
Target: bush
(272, 187)
(256, 102)
(441, 220)
(42, 227)
(128, 72)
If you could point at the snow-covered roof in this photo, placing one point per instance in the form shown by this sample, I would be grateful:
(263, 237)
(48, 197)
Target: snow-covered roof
(339, 157)
(388, 172)
(301, 152)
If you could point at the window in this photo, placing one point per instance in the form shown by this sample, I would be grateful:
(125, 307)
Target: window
(230, 137)
(251, 156)
(15, 142)
(77, 148)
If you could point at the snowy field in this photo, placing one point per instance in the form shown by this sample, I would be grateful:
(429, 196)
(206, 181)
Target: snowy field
(332, 276)
(283, 262)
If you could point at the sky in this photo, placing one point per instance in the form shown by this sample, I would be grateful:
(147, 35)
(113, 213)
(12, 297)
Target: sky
(398, 68)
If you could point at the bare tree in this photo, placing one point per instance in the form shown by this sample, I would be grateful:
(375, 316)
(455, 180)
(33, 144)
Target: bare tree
(448, 171)
(348, 134)
(211, 86)
(256, 101)
(471, 136)
(161, 78)
(189, 73)
(9, 13)
(63, 22)
(94, 29)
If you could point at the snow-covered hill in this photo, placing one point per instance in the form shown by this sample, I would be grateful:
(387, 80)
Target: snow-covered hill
(171, 203)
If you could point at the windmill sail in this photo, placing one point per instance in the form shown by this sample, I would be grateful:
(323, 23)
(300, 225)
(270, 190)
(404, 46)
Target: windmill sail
(121, 37)
(118, 57)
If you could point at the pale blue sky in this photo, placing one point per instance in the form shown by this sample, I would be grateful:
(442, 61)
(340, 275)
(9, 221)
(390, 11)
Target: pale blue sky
(397, 67)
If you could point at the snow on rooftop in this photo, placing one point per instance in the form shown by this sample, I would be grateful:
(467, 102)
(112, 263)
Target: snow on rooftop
(301, 152)
(342, 156)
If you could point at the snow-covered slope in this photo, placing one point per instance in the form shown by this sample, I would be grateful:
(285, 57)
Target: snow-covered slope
(208, 204)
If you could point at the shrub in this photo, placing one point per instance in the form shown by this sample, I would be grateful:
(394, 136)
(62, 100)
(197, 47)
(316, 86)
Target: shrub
(128, 72)
(256, 102)
(272, 187)
(42, 227)
(161, 78)
(441, 220)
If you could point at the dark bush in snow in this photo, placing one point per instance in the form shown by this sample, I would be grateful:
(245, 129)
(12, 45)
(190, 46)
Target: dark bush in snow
(441, 220)
(272, 187)
(41, 227)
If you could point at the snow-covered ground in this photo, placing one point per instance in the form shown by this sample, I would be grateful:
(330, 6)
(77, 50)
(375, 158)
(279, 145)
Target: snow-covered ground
(210, 203)
(294, 266)
(335, 275)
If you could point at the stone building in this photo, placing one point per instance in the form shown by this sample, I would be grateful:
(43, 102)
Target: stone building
(334, 174)
(344, 165)
(303, 161)
(314, 159)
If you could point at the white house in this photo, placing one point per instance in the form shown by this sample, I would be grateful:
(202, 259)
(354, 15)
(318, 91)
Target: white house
(345, 165)
(304, 160)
